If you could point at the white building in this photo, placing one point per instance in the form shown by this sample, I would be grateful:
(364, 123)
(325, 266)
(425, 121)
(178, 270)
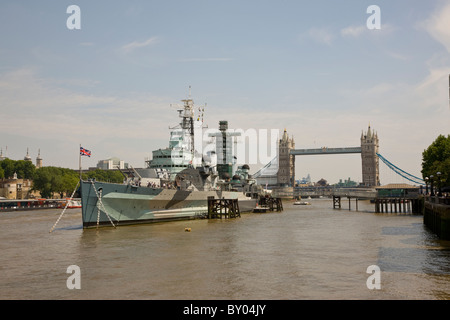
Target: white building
(112, 163)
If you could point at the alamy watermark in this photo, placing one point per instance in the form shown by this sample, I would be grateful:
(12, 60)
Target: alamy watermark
(74, 280)
(74, 20)
(374, 280)
(374, 21)
(249, 146)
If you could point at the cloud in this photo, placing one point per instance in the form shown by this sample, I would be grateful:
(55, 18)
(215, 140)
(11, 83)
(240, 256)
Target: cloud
(357, 31)
(44, 113)
(398, 56)
(433, 90)
(35, 106)
(353, 31)
(136, 45)
(319, 35)
(205, 59)
(438, 26)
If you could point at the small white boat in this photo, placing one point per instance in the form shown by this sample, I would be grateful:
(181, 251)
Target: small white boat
(70, 203)
(302, 203)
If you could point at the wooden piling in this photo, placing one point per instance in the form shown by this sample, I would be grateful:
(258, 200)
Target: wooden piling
(223, 208)
(336, 202)
(270, 204)
(398, 205)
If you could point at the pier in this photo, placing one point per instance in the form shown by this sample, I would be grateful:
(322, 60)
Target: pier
(337, 201)
(398, 198)
(28, 204)
(268, 204)
(398, 205)
(223, 208)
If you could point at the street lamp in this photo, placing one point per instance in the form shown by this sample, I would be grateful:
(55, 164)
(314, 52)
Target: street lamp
(439, 184)
(432, 190)
(426, 185)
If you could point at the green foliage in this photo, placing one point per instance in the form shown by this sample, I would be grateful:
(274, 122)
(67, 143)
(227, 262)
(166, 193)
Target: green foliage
(104, 175)
(8, 167)
(436, 158)
(24, 169)
(51, 180)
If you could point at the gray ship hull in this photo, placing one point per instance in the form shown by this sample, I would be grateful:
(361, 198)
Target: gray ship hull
(109, 203)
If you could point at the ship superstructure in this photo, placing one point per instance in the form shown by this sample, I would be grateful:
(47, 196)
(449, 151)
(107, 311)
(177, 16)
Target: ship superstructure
(181, 153)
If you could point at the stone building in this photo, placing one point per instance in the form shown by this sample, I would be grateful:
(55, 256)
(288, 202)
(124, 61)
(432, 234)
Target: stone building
(39, 160)
(369, 159)
(16, 188)
(27, 157)
(286, 161)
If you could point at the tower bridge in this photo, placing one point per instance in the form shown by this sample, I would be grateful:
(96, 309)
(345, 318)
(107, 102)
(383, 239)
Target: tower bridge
(281, 170)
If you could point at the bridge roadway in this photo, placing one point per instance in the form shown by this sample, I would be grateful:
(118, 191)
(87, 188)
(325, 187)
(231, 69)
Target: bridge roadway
(324, 150)
(360, 193)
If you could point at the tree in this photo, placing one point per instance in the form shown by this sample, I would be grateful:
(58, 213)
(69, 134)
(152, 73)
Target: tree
(69, 182)
(24, 169)
(113, 176)
(46, 181)
(436, 158)
(51, 180)
(8, 167)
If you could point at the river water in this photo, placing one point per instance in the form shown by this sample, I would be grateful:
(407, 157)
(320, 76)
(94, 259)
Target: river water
(304, 252)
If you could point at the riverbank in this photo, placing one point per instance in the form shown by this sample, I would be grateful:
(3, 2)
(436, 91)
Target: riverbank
(436, 216)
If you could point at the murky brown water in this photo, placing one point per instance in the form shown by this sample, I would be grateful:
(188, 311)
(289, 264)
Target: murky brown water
(305, 252)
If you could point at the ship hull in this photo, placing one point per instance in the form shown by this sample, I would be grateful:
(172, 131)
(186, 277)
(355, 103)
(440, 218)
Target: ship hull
(127, 204)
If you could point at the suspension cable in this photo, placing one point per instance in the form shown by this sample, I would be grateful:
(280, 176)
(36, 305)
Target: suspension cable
(401, 172)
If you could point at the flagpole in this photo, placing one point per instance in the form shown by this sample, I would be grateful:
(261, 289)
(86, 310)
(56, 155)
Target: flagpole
(79, 161)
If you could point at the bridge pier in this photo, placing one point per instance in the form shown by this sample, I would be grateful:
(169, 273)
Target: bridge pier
(397, 205)
(337, 202)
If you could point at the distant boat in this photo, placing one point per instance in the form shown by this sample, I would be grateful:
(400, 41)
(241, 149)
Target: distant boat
(302, 203)
(71, 203)
(261, 209)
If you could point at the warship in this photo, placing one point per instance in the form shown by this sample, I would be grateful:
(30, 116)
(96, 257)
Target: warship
(176, 183)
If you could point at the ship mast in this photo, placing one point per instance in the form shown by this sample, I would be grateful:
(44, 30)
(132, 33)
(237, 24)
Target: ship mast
(187, 122)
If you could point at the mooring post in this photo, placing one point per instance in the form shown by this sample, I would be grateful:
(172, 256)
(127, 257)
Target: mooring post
(336, 202)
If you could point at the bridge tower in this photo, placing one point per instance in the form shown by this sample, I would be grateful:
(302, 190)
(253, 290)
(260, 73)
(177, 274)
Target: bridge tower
(286, 161)
(369, 158)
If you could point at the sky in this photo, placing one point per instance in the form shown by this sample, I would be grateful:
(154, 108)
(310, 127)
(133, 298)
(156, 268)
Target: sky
(314, 68)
